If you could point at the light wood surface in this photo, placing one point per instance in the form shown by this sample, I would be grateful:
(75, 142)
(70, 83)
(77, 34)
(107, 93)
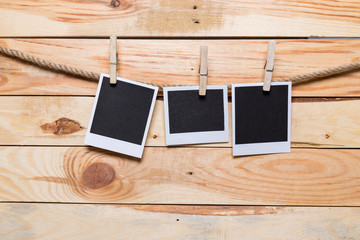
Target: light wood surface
(78, 222)
(177, 62)
(36, 120)
(284, 18)
(180, 176)
(51, 186)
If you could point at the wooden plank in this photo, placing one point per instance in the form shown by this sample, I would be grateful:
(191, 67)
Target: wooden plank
(177, 62)
(36, 120)
(180, 176)
(78, 222)
(283, 18)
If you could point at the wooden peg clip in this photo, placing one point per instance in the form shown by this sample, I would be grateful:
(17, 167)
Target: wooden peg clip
(203, 70)
(269, 65)
(113, 59)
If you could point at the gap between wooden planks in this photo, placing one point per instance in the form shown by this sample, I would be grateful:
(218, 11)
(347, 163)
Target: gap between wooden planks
(284, 18)
(50, 120)
(321, 177)
(78, 222)
(177, 62)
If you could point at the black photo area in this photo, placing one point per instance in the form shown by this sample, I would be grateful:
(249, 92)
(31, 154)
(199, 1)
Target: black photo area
(189, 112)
(122, 111)
(261, 116)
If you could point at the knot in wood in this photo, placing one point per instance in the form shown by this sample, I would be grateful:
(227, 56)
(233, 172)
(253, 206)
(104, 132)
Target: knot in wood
(98, 175)
(62, 126)
(115, 3)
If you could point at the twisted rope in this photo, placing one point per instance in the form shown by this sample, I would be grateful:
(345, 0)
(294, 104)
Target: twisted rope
(48, 64)
(95, 76)
(323, 73)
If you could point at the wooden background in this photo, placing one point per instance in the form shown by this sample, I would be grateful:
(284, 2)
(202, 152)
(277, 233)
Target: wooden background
(54, 187)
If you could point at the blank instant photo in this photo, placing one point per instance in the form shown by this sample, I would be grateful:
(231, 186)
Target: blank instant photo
(121, 116)
(261, 120)
(192, 119)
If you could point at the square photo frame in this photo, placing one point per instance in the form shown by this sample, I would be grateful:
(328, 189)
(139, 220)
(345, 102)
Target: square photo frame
(121, 116)
(261, 120)
(194, 119)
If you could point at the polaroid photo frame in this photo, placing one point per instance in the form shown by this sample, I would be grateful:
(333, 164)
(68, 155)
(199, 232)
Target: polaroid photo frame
(261, 120)
(194, 119)
(121, 116)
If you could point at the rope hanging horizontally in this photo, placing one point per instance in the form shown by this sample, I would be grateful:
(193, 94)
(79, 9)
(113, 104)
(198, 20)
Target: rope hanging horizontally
(95, 76)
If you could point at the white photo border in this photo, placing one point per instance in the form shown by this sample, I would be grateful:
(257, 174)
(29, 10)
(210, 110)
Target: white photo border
(116, 145)
(196, 137)
(267, 147)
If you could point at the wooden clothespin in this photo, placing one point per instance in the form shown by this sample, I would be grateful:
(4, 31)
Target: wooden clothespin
(269, 65)
(203, 70)
(113, 59)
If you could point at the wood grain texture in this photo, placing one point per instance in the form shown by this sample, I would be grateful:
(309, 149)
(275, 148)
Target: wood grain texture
(36, 120)
(78, 222)
(177, 62)
(180, 176)
(206, 174)
(180, 18)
